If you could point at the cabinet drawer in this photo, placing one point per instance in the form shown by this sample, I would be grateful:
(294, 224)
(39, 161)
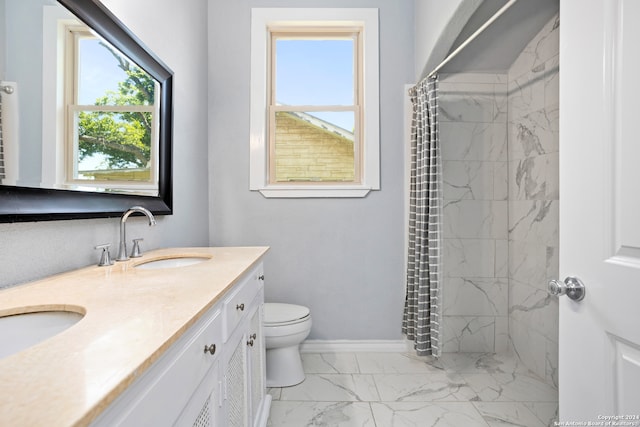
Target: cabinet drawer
(237, 303)
(195, 360)
(167, 386)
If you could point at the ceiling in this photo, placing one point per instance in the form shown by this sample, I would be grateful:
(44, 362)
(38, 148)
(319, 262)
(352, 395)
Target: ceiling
(499, 45)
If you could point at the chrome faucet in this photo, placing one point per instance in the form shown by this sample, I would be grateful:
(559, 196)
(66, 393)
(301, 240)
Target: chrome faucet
(122, 251)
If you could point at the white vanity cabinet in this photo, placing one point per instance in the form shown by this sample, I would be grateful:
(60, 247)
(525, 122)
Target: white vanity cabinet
(212, 376)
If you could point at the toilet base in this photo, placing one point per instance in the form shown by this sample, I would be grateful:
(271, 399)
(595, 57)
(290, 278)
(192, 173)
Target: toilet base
(284, 366)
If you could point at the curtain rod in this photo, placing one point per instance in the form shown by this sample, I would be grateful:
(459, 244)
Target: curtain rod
(473, 36)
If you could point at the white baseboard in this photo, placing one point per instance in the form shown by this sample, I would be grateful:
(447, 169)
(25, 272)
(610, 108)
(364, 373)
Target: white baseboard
(342, 346)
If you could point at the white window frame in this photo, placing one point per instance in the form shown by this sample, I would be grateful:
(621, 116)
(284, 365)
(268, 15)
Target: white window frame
(354, 34)
(73, 34)
(261, 20)
(57, 23)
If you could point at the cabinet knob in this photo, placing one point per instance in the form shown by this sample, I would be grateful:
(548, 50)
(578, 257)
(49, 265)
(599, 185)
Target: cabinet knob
(253, 336)
(210, 349)
(261, 277)
(250, 342)
(240, 307)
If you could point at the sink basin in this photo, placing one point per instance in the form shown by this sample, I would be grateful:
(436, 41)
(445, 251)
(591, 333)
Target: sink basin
(21, 331)
(172, 262)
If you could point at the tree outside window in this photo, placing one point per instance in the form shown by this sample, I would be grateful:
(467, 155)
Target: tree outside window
(112, 114)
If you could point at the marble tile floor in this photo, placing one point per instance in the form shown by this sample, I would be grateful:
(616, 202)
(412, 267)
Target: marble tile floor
(404, 390)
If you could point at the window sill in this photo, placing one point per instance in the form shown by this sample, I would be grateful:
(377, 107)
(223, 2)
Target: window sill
(315, 191)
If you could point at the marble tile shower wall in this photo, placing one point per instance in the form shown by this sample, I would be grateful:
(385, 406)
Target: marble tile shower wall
(473, 133)
(499, 135)
(533, 112)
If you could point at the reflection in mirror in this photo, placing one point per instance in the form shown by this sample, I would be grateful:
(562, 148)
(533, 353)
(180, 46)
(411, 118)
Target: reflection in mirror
(112, 117)
(85, 114)
(98, 109)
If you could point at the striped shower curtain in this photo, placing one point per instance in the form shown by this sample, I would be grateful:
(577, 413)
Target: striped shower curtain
(422, 309)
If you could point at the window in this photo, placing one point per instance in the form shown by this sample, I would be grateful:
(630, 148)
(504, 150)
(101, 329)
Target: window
(314, 106)
(314, 109)
(111, 117)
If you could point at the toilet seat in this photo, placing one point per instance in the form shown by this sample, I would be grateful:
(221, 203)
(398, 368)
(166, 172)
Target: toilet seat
(279, 314)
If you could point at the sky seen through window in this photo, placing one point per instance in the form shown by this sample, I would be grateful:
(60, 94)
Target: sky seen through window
(317, 72)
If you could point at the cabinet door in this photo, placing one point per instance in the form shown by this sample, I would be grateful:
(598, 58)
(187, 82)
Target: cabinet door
(256, 362)
(204, 407)
(235, 378)
(244, 360)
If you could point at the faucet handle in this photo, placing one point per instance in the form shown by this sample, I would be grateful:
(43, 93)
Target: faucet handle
(105, 257)
(136, 252)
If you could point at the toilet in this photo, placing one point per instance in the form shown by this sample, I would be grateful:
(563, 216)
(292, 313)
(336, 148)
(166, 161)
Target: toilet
(285, 327)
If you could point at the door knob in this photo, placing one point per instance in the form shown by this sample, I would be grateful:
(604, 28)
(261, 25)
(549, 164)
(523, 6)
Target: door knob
(572, 287)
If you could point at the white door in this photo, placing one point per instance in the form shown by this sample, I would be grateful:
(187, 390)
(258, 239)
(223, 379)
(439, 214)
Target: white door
(599, 373)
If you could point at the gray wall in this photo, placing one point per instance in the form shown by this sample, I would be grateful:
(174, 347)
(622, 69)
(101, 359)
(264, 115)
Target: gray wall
(3, 31)
(23, 64)
(177, 33)
(343, 258)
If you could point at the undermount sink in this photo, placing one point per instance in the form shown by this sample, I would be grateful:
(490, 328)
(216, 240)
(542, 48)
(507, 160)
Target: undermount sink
(21, 331)
(180, 261)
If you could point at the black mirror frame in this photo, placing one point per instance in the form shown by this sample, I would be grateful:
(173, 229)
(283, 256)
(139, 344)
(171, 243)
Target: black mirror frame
(23, 204)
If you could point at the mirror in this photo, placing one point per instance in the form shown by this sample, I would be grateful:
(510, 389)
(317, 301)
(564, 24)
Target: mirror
(76, 142)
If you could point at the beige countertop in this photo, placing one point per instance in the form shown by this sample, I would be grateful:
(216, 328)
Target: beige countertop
(131, 317)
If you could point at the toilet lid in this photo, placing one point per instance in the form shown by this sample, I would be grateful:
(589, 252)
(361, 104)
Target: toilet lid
(284, 313)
